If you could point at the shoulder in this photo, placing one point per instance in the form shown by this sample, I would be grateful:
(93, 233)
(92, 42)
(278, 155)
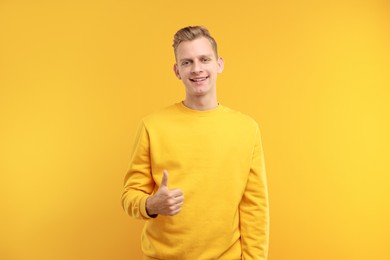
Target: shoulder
(240, 118)
(160, 115)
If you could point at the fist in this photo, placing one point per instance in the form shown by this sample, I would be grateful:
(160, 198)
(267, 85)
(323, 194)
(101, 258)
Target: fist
(165, 201)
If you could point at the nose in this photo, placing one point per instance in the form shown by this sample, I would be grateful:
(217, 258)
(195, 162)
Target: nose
(196, 67)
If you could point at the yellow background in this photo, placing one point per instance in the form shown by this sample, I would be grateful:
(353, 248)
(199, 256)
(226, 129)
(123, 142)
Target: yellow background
(76, 77)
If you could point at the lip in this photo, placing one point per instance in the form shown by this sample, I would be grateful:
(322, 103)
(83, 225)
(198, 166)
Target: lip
(199, 79)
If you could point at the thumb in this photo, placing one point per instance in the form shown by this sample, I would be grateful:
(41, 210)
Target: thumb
(164, 180)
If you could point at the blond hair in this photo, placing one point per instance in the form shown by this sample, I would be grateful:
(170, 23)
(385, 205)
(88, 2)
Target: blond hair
(191, 33)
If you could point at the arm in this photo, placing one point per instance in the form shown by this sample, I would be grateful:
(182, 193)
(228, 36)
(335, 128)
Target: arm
(254, 211)
(138, 183)
(137, 198)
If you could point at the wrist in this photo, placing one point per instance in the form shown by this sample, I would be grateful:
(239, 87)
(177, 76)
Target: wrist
(149, 208)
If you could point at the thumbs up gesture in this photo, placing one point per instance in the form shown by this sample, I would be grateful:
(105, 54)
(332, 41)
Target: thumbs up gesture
(165, 201)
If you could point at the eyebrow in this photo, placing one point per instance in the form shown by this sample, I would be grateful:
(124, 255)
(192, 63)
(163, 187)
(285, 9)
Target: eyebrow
(201, 56)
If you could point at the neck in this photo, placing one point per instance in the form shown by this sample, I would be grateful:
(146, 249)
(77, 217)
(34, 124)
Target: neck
(201, 102)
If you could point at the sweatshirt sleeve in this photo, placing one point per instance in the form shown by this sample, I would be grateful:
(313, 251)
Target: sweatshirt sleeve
(138, 182)
(254, 211)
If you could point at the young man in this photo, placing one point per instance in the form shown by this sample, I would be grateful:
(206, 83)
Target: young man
(197, 172)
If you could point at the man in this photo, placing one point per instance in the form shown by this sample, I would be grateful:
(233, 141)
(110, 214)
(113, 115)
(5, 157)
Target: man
(197, 172)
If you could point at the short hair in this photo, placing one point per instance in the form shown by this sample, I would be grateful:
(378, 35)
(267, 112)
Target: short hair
(191, 33)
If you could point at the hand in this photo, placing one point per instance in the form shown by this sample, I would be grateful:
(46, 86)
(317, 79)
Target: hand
(165, 201)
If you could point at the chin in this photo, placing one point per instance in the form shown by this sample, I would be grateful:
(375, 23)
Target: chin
(200, 92)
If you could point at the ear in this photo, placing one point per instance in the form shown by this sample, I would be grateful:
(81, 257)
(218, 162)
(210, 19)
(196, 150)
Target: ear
(220, 64)
(176, 70)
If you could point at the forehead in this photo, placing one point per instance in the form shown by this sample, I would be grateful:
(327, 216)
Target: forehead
(197, 47)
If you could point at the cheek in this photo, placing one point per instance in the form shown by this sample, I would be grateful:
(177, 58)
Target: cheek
(184, 73)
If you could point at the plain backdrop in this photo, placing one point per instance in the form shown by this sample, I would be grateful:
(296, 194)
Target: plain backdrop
(77, 76)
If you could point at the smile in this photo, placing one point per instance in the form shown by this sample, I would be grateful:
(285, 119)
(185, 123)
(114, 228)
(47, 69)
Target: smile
(200, 79)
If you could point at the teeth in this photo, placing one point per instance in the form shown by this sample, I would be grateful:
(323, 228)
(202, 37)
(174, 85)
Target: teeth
(198, 79)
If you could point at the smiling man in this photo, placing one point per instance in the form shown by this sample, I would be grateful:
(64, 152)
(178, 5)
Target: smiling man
(197, 65)
(197, 174)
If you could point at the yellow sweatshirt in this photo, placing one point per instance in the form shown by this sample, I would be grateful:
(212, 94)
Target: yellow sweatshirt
(215, 157)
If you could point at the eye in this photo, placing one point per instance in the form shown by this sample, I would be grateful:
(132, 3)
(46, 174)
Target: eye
(205, 60)
(186, 62)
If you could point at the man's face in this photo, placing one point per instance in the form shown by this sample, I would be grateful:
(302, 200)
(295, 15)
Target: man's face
(197, 66)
